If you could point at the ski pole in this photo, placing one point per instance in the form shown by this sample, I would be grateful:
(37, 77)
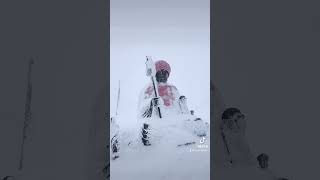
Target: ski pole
(151, 71)
(226, 145)
(27, 113)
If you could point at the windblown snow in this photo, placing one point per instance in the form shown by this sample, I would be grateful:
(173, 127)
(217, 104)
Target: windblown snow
(175, 153)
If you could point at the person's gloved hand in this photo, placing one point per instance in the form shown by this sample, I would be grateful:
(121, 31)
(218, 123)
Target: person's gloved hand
(155, 102)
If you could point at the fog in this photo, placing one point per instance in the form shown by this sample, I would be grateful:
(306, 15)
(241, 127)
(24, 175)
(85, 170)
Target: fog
(181, 36)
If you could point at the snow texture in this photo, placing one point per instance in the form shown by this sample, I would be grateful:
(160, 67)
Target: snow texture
(184, 42)
(168, 157)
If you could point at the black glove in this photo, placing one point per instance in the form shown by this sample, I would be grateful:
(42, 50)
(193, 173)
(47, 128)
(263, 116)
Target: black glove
(155, 102)
(147, 113)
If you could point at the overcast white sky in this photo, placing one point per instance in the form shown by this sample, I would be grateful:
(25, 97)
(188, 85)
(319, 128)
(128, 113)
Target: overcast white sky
(176, 32)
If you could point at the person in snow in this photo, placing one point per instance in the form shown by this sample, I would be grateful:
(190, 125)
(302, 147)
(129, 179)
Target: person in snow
(233, 120)
(233, 129)
(170, 101)
(169, 94)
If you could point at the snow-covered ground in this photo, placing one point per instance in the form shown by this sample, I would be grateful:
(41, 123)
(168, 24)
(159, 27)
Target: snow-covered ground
(164, 159)
(157, 163)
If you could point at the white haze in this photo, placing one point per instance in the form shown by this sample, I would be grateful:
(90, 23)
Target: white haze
(181, 36)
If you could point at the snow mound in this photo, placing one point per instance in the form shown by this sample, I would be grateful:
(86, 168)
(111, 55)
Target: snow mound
(174, 154)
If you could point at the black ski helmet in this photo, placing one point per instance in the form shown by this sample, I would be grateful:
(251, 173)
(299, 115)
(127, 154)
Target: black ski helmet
(229, 112)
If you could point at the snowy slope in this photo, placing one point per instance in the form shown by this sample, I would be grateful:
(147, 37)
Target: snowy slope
(164, 159)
